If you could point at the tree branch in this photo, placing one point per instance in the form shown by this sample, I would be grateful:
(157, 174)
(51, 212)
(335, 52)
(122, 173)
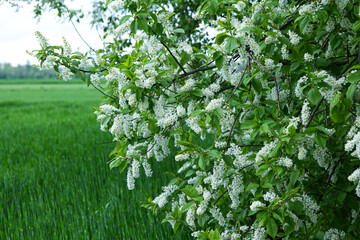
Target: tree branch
(104, 93)
(347, 67)
(167, 48)
(197, 70)
(80, 35)
(314, 112)
(274, 78)
(242, 76)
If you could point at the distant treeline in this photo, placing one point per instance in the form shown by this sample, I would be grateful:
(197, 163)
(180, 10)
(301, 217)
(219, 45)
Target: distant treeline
(7, 71)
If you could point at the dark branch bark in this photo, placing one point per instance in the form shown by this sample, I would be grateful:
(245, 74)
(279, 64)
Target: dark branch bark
(242, 76)
(167, 48)
(314, 112)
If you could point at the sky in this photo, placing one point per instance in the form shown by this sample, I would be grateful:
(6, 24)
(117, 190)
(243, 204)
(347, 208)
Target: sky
(17, 30)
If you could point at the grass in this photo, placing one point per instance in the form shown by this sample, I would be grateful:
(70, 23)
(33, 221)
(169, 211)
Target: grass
(54, 179)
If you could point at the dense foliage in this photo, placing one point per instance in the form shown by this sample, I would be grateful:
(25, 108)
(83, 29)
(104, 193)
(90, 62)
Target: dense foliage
(264, 118)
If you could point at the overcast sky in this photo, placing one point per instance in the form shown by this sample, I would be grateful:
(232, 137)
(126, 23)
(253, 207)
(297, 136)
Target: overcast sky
(17, 32)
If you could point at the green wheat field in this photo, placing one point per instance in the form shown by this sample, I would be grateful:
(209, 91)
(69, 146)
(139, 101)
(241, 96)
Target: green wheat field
(55, 182)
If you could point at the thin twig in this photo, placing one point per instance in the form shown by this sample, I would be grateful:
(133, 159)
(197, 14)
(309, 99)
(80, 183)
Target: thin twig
(274, 78)
(347, 67)
(167, 48)
(232, 127)
(314, 112)
(197, 70)
(220, 197)
(242, 76)
(103, 92)
(80, 35)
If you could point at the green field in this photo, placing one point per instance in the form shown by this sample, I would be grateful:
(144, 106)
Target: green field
(55, 182)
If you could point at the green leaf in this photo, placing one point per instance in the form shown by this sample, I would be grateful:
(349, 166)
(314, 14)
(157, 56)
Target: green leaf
(231, 44)
(304, 23)
(272, 227)
(219, 62)
(124, 19)
(294, 177)
(220, 38)
(196, 113)
(203, 162)
(143, 24)
(323, 16)
(296, 206)
(351, 91)
(248, 124)
(187, 206)
(185, 58)
(262, 169)
(356, 26)
(184, 143)
(213, 6)
(354, 77)
(252, 186)
(134, 26)
(341, 197)
(314, 96)
(339, 108)
(294, 66)
(179, 30)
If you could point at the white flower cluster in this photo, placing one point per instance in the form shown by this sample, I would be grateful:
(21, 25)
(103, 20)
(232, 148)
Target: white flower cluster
(188, 86)
(124, 124)
(182, 157)
(214, 104)
(265, 151)
(355, 176)
(334, 234)
(294, 122)
(270, 196)
(204, 204)
(305, 113)
(321, 156)
(285, 52)
(256, 205)
(117, 5)
(294, 38)
(211, 90)
(65, 74)
(235, 189)
(308, 57)
(285, 161)
(66, 48)
(302, 152)
(190, 216)
(240, 5)
(308, 9)
(298, 90)
(341, 4)
(311, 207)
(49, 62)
(159, 148)
(41, 39)
(95, 79)
(216, 213)
(162, 200)
(122, 28)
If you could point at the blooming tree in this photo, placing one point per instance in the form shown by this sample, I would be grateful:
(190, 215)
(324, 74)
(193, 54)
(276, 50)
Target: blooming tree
(263, 118)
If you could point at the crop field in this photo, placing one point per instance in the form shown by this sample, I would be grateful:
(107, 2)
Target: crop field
(55, 182)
